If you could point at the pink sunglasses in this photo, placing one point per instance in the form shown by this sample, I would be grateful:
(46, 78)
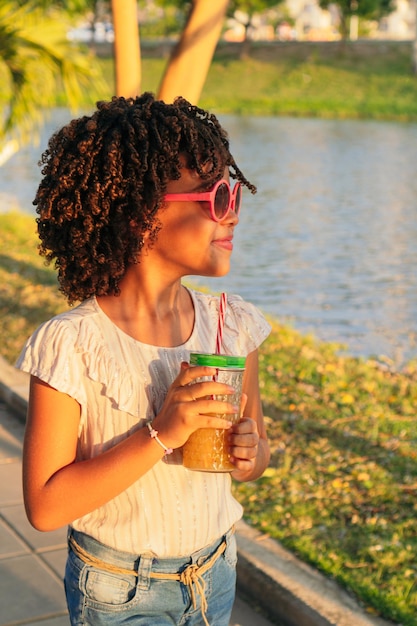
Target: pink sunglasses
(221, 198)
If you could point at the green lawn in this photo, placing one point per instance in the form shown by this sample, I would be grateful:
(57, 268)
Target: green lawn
(342, 84)
(341, 487)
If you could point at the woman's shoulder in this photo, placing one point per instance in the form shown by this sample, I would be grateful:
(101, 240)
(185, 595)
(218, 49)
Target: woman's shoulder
(213, 300)
(61, 333)
(245, 326)
(235, 302)
(54, 351)
(70, 349)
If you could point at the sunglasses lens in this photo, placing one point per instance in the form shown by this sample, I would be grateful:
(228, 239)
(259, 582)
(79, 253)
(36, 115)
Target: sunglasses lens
(221, 201)
(238, 198)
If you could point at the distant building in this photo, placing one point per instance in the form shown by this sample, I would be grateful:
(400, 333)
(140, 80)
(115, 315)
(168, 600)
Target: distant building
(304, 20)
(399, 25)
(311, 22)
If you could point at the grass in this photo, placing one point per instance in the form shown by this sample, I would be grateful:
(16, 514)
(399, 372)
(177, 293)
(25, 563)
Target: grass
(340, 82)
(341, 488)
(28, 289)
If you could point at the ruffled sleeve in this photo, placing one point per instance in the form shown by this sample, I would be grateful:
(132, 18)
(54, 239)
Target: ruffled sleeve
(247, 322)
(74, 350)
(51, 355)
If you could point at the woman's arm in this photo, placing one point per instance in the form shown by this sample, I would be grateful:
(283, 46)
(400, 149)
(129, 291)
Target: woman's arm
(248, 439)
(58, 489)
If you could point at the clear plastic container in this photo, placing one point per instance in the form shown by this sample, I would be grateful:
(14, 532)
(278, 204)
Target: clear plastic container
(206, 449)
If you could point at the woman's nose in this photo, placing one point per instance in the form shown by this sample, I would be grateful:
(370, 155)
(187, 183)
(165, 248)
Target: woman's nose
(231, 218)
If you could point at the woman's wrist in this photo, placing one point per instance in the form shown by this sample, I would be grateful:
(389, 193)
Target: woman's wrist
(153, 433)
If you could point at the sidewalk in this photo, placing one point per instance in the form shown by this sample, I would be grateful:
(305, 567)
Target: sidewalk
(32, 563)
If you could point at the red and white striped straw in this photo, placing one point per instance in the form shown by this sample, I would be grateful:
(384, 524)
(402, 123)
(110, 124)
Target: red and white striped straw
(220, 325)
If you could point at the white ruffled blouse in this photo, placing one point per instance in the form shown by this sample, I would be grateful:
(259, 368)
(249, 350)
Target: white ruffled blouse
(119, 383)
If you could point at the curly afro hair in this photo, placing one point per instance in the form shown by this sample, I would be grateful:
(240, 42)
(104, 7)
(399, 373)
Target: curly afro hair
(104, 177)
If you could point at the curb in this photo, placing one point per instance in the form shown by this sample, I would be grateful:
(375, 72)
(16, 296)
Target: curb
(14, 388)
(288, 591)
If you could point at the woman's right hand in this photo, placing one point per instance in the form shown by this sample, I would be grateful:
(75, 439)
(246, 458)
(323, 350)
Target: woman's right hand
(190, 405)
(59, 487)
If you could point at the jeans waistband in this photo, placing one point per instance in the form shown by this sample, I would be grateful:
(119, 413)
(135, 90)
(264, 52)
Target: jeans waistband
(129, 561)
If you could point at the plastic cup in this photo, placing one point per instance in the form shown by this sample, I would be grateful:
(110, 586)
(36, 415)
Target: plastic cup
(206, 448)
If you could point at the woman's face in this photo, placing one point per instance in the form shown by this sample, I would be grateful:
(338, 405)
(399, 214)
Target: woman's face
(189, 241)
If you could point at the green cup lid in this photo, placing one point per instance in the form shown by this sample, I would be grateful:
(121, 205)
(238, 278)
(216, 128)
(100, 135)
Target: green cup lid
(217, 360)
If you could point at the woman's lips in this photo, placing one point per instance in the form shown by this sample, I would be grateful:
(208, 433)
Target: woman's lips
(225, 242)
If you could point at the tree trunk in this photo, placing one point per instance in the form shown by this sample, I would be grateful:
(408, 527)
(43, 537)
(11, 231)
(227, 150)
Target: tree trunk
(127, 59)
(246, 43)
(353, 27)
(190, 61)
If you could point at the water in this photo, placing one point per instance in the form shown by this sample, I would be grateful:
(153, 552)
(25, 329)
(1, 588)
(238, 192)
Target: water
(329, 242)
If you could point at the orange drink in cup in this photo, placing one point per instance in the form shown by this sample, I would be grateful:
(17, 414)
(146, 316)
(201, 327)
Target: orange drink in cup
(206, 449)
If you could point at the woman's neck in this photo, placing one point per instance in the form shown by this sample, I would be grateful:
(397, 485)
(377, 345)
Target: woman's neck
(154, 316)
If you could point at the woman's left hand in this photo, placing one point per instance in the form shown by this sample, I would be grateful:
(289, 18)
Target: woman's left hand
(243, 440)
(248, 442)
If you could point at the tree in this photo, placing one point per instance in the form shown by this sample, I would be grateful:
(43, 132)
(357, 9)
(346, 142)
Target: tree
(35, 56)
(244, 12)
(36, 59)
(190, 60)
(126, 48)
(365, 9)
(247, 9)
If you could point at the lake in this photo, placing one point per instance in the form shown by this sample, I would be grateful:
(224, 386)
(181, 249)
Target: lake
(329, 242)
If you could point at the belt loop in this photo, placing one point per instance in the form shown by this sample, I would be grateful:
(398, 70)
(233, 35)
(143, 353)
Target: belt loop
(144, 571)
(229, 535)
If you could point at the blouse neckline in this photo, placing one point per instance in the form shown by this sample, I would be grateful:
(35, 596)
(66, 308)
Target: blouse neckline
(125, 336)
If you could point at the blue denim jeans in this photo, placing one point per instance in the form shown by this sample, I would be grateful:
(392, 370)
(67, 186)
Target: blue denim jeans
(99, 597)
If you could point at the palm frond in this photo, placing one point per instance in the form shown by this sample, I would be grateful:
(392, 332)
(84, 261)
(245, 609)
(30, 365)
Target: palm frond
(37, 61)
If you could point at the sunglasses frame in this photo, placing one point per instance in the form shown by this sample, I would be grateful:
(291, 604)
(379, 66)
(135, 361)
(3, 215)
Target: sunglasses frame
(210, 196)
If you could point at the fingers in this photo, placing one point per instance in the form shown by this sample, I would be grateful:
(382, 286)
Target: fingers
(195, 400)
(211, 389)
(211, 407)
(243, 442)
(183, 412)
(189, 374)
(246, 427)
(191, 387)
(207, 411)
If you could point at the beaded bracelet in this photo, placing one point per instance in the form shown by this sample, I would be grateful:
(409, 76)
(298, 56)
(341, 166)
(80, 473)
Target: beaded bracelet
(154, 435)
